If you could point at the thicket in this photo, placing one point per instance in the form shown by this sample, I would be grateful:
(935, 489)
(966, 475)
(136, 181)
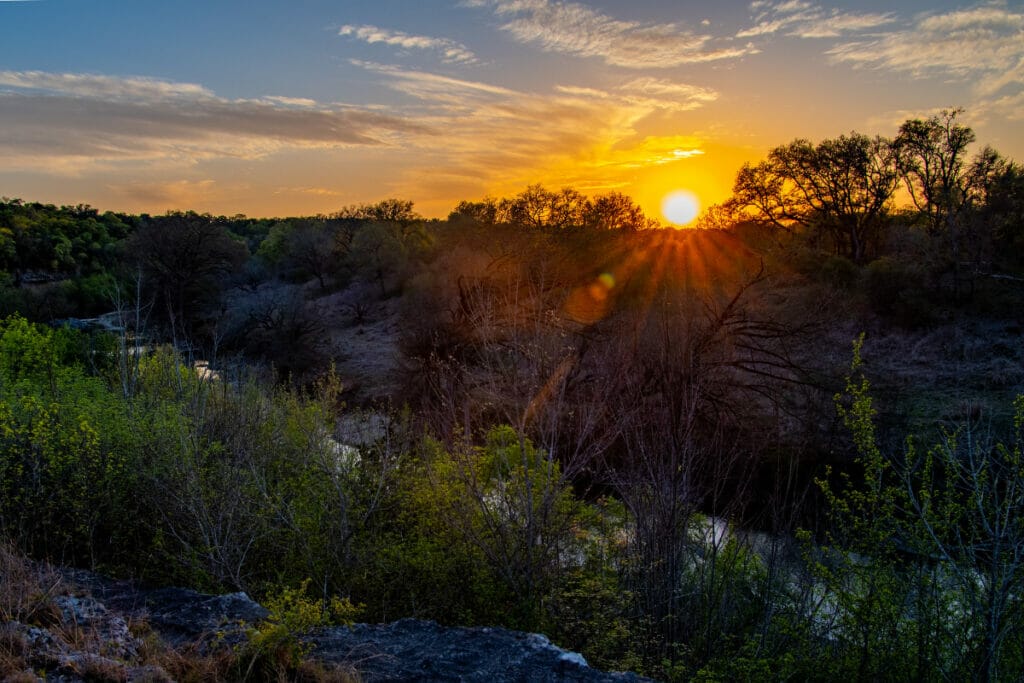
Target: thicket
(240, 485)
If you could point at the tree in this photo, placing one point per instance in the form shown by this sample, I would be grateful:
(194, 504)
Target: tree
(998, 215)
(840, 187)
(537, 207)
(931, 156)
(927, 557)
(484, 212)
(185, 258)
(385, 211)
(966, 494)
(616, 211)
(380, 254)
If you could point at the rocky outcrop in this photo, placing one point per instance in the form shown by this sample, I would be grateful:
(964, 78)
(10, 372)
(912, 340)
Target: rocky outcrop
(416, 650)
(180, 615)
(84, 642)
(406, 650)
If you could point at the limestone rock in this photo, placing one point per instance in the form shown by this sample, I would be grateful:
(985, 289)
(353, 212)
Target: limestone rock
(415, 650)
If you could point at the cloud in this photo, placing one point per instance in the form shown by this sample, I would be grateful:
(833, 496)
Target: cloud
(310, 190)
(505, 138)
(470, 134)
(659, 93)
(451, 52)
(73, 120)
(105, 87)
(290, 101)
(808, 20)
(984, 44)
(575, 29)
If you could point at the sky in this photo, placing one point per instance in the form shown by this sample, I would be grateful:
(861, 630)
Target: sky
(274, 108)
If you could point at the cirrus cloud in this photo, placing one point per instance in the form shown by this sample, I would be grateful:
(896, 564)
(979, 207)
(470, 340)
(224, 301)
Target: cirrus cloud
(581, 136)
(808, 20)
(984, 42)
(73, 120)
(451, 52)
(575, 29)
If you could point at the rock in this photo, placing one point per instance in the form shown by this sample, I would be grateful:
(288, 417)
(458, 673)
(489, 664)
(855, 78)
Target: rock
(405, 650)
(415, 650)
(179, 615)
(109, 631)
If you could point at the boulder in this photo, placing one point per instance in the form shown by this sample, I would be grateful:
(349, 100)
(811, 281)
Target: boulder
(416, 650)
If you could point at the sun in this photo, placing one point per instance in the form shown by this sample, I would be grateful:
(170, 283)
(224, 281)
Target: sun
(680, 207)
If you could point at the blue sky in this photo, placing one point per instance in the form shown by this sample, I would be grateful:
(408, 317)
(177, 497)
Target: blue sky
(274, 108)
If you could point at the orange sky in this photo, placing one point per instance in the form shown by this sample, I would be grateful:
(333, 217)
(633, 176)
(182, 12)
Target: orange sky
(264, 108)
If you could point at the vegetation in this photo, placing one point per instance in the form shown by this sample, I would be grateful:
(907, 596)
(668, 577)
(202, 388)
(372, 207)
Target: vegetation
(649, 444)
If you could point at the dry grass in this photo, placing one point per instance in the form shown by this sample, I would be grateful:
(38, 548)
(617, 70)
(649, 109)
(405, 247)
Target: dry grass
(14, 650)
(27, 590)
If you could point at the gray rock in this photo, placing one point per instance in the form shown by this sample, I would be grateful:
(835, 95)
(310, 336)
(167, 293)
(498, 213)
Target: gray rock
(415, 650)
(179, 615)
(406, 650)
(110, 631)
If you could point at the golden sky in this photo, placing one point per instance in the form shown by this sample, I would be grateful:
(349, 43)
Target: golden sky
(264, 108)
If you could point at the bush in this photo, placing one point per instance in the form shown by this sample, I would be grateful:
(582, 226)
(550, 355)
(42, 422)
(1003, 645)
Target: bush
(839, 272)
(895, 289)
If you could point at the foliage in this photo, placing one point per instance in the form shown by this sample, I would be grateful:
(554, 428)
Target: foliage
(274, 647)
(647, 382)
(184, 260)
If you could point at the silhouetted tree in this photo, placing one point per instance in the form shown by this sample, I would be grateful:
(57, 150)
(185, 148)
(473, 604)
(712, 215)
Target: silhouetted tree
(839, 187)
(932, 158)
(616, 211)
(386, 211)
(185, 258)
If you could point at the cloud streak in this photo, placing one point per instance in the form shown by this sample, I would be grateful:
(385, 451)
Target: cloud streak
(808, 20)
(95, 119)
(451, 52)
(575, 29)
(982, 45)
(449, 133)
(985, 41)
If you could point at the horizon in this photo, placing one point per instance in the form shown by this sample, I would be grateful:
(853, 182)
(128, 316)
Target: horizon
(268, 111)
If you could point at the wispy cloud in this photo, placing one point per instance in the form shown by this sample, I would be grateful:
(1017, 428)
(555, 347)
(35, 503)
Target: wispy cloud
(106, 87)
(658, 93)
(807, 20)
(78, 120)
(451, 51)
(506, 138)
(575, 29)
(447, 135)
(985, 42)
